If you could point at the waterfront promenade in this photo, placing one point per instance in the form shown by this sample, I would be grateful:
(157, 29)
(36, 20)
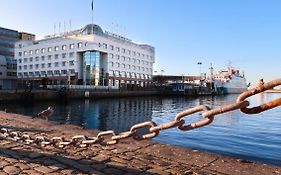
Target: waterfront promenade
(126, 157)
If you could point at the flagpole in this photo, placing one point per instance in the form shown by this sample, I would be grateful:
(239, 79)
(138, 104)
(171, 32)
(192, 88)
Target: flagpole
(92, 16)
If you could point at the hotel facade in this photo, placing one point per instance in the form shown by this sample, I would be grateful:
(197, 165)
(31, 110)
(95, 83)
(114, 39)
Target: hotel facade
(88, 56)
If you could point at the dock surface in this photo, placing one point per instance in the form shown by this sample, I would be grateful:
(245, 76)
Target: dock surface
(129, 157)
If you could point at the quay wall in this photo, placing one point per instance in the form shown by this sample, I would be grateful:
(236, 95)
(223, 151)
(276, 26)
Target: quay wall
(75, 94)
(129, 156)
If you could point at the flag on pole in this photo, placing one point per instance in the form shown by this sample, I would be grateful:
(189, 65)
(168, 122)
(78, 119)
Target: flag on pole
(92, 5)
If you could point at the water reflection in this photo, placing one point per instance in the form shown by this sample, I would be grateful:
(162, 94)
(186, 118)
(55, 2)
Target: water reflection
(255, 137)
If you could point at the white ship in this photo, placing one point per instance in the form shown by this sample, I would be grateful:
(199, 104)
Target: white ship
(229, 82)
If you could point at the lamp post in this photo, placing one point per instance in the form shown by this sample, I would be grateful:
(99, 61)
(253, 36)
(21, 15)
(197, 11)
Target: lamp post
(199, 63)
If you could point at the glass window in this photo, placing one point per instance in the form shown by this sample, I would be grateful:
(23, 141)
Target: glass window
(63, 47)
(42, 58)
(79, 45)
(36, 66)
(30, 59)
(71, 63)
(49, 72)
(56, 64)
(111, 47)
(49, 57)
(63, 55)
(19, 67)
(56, 56)
(104, 45)
(43, 50)
(56, 48)
(36, 58)
(71, 46)
(30, 66)
(118, 49)
(20, 60)
(63, 63)
(25, 67)
(37, 51)
(43, 65)
(25, 60)
(20, 53)
(71, 54)
(25, 53)
(49, 65)
(30, 52)
(49, 49)
(63, 71)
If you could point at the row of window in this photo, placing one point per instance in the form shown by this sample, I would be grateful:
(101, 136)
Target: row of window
(133, 60)
(128, 66)
(50, 49)
(49, 57)
(43, 65)
(125, 51)
(117, 73)
(49, 72)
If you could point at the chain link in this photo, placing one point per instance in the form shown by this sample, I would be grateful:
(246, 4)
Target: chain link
(110, 138)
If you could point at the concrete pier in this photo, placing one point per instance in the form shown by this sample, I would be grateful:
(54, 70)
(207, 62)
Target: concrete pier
(127, 157)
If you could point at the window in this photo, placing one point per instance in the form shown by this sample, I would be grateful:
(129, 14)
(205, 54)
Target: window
(111, 64)
(37, 73)
(123, 65)
(36, 58)
(56, 64)
(30, 59)
(79, 45)
(72, 71)
(134, 53)
(57, 72)
(123, 50)
(117, 65)
(20, 53)
(31, 66)
(111, 47)
(43, 72)
(56, 56)
(19, 74)
(138, 54)
(71, 63)
(43, 50)
(71, 54)
(71, 46)
(128, 66)
(56, 48)
(25, 60)
(63, 55)
(63, 71)
(49, 72)
(25, 67)
(20, 45)
(118, 49)
(49, 49)
(37, 51)
(129, 52)
(117, 56)
(63, 63)
(43, 65)
(25, 53)
(104, 45)
(20, 60)
(19, 67)
(129, 59)
(36, 66)
(30, 52)
(123, 58)
(42, 58)
(49, 57)
(63, 47)
(110, 55)
(49, 65)
(138, 61)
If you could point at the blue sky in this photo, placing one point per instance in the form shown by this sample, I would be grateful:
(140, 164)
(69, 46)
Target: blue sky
(246, 33)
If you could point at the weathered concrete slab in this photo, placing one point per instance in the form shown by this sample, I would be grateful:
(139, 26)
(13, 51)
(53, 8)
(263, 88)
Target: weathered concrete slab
(127, 157)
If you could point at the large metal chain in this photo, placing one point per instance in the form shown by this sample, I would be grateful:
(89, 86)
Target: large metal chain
(111, 138)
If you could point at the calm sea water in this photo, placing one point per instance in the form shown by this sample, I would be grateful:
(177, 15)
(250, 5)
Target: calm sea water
(251, 137)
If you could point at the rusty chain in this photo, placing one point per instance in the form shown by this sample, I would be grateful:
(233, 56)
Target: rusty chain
(110, 138)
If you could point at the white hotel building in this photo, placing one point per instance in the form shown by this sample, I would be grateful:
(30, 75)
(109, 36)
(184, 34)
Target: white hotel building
(87, 56)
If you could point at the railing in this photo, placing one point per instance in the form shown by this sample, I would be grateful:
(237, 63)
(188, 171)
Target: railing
(82, 87)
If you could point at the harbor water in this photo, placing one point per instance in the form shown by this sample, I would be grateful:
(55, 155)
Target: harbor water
(252, 137)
